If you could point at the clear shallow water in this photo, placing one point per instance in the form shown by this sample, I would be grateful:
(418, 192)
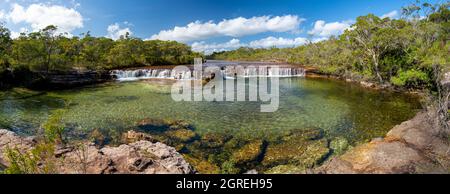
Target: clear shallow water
(341, 109)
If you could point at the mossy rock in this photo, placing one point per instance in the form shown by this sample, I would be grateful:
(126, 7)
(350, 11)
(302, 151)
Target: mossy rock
(339, 145)
(286, 169)
(202, 166)
(182, 135)
(305, 134)
(229, 167)
(249, 153)
(234, 144)
(315, 154)
(214, 140)
(296, 152)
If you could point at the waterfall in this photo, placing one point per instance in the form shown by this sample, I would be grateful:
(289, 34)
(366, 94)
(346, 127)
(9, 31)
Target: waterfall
(132, 75)
(227, 72)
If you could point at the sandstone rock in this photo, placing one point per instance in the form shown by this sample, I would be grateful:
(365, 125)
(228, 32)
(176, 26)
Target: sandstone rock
(142, 157)
(85, 159)
(383, 157)
(147, 158)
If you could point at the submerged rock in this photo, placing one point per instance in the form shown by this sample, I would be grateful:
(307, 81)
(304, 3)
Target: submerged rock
(214, 140)
(339, 145)
(229, 167)
(203, 166)
(305, 134)
(182, 135)
(249, 153)
(296, 152)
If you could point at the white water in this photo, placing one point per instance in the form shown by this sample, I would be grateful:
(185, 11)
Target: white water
(228, 73)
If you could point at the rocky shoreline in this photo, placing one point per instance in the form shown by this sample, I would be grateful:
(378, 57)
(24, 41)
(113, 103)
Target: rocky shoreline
(139, 157)
(415, 146)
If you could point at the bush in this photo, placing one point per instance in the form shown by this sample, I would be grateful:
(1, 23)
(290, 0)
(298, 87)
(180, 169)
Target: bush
(54, 129)
(39, 160)
(411, 78)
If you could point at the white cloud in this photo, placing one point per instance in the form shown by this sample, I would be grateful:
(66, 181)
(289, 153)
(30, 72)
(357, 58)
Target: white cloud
(39, 16)
(2, 15)
(236, 43)
(323, 29)
(15, 34)
(393, 15)
(115, 31)
(277, 42)
(216, 47)
(236, 27)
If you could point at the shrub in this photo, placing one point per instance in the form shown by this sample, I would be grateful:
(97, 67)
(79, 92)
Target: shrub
(54, 129)
(410, 78)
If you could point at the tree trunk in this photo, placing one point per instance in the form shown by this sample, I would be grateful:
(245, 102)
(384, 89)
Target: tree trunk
(377, 70)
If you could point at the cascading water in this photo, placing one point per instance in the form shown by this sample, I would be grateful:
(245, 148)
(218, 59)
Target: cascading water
(227, 73)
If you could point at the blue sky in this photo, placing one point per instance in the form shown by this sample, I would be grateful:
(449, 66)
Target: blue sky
(206, 25)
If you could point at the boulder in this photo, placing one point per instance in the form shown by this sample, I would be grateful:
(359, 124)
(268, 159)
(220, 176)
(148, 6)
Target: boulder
(144, 157)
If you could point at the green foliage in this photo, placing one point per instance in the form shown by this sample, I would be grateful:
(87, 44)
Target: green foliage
(410, 78)
(39, 160)
(47, 51)
(54, 129)
(20, 163)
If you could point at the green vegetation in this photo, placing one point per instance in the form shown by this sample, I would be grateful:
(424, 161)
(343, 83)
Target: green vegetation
(41, 158)
(400, 51)
(47, 51)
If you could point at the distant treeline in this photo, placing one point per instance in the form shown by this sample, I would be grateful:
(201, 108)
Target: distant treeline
(404, 52)
(46, 51)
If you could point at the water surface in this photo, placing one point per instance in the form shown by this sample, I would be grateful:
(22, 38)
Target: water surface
(340, 108)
